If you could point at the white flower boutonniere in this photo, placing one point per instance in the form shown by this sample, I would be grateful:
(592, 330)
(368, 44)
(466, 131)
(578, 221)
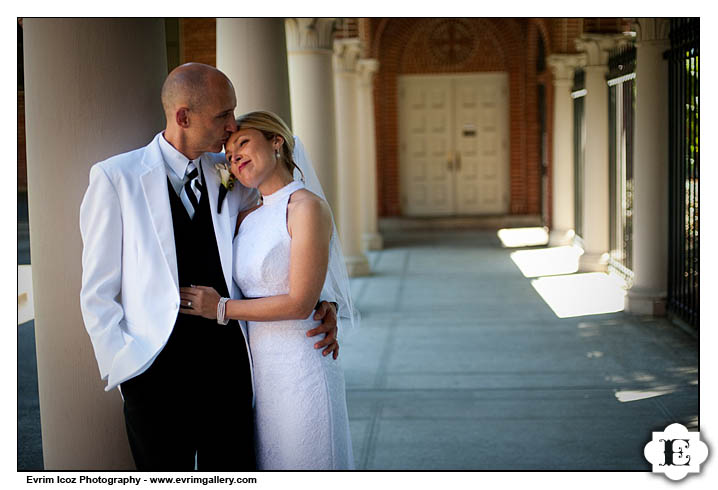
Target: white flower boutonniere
(227, 179)
(225, 176)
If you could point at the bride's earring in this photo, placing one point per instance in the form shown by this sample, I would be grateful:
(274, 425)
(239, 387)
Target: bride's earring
(276, 154)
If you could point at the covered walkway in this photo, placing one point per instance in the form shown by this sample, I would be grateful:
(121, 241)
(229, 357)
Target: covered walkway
(462, 364)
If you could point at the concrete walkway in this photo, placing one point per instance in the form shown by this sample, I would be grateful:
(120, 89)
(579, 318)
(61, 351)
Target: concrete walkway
(460, 364)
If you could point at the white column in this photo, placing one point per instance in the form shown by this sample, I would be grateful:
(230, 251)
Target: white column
(650, 171)
(311, 85)
(562, 230)
(346, 56)
(371, 238)
(92, 90)
(596, 190)
(252, 52)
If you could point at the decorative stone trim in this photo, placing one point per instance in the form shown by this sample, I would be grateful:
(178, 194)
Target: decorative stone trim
(366, 69)
(451, 42)
(649, 29)
(346, 54)
(563, 65)
(597, 46)
(309, 33)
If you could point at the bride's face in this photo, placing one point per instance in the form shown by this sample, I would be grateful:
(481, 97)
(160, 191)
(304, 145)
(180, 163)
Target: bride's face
(251, 156)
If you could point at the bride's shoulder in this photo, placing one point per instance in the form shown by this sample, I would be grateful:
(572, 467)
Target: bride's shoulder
(304, 197)
(304, 204)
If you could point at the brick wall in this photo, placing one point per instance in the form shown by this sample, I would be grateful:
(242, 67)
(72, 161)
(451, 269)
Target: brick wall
(198, 40)
(563, 33)
(532, 166)
(605, 25)
(402, 47)
(347, 28)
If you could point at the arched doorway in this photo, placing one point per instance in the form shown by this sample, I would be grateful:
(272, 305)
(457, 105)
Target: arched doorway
(473, 77)
(453, 144)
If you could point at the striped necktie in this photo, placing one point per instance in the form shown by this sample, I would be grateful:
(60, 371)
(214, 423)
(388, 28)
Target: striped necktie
(192, 189)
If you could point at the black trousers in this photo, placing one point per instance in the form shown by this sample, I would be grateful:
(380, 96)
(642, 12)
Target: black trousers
(195, 398)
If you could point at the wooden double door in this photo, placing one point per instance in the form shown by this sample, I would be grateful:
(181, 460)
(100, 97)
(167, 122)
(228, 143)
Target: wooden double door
(453, 144)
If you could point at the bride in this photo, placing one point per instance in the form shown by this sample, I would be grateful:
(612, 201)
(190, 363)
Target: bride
(285, 251)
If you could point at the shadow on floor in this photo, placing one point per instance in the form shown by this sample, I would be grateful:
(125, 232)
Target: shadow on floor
(29, 440)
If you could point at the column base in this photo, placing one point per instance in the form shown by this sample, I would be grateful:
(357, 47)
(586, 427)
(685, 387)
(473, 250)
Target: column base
(373, 241)
(357, 265)
(641, 301)
(560, 238)
(593, 262)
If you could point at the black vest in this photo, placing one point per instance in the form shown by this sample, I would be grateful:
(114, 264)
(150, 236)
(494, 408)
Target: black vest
(198, 260)
(205, 354)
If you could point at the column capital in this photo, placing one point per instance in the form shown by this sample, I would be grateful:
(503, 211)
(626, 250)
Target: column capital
(651, 29)
(597, 46)
(563, 66)
(309, 33)
(346, 54)
(366, 69)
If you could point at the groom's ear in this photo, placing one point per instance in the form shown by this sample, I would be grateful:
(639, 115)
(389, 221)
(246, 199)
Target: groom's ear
(182, 117)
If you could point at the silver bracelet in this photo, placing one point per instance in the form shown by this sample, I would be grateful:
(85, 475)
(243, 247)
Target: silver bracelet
(222, 311)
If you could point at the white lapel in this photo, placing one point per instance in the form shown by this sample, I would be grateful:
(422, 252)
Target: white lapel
(154, 186)
(222, 226)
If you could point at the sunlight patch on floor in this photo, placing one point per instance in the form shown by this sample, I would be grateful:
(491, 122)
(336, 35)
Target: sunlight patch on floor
(574, 295)
(547, 261)
(523, 237)
(625, 396)
(25, 309)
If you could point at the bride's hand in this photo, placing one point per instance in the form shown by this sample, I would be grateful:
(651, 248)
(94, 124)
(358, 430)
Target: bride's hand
(199, 301)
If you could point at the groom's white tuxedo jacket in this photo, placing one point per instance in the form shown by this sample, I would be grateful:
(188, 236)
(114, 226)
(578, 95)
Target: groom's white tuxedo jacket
(130, 290)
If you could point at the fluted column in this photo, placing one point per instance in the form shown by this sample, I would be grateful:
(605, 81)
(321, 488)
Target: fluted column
(371, 238)
(346, 57)
(92, 90)
(252, 52)
(650, 171)
(311, 85)
(563, 66)
(595, 191)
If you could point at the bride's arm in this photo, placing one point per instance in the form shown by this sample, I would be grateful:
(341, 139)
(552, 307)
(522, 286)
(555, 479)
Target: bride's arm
(310, 226)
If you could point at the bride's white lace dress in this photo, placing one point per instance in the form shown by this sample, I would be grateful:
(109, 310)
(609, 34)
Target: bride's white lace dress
(300, 412)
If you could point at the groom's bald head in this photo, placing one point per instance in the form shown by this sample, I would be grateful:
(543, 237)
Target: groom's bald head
(191, 85)
(199, 103)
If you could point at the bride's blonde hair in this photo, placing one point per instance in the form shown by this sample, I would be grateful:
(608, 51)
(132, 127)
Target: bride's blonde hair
(271, 125)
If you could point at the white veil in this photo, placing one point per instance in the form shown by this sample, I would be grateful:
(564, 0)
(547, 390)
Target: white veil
(337, 281)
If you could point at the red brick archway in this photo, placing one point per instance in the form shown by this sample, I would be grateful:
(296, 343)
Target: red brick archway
(400, 45)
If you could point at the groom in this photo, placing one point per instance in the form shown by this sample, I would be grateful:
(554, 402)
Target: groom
(152, 221)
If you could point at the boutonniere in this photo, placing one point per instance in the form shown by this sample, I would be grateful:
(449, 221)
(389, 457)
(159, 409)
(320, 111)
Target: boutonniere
(227, 182)
(225, 176)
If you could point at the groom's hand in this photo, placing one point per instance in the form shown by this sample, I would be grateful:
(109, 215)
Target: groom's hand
(328, 314)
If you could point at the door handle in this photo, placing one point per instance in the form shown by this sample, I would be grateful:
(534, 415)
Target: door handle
(450, 162)
(457, 164)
